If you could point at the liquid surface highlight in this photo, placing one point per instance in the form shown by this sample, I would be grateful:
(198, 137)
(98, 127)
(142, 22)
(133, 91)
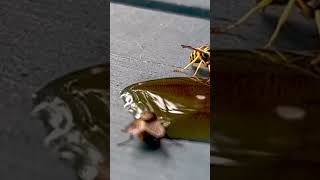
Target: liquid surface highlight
(183, 104)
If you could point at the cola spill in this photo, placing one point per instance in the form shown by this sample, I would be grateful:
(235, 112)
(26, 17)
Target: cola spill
(181, 103)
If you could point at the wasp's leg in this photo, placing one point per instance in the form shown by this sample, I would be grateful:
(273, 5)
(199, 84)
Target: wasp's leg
(192, 62)
(306, 10)
(316, 61)
(195, 73)
(209, 74)
(126, 141)
(317, 19)
(260, 6)
(283, 18)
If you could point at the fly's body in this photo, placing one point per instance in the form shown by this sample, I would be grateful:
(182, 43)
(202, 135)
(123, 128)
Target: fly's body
(148, 128)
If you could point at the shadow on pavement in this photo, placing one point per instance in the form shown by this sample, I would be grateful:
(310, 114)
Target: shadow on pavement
(168, 7)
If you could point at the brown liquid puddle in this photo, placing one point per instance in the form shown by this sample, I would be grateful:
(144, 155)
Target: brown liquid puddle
(182, 103)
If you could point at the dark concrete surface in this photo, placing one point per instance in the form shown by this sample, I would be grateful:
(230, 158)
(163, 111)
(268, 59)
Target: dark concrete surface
(145, 45)
(41, 40)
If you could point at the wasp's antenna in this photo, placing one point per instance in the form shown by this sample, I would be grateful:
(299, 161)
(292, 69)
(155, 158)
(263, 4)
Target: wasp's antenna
(195, 49)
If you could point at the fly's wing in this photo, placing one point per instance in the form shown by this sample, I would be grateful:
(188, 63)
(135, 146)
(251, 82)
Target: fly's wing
(155, 128)
(135, 127)
(148, 116)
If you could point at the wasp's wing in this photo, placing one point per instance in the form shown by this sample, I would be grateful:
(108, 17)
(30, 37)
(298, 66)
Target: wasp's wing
(155, 128)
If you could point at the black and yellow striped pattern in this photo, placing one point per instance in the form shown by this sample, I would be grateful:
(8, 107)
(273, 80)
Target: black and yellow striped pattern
(201, 56)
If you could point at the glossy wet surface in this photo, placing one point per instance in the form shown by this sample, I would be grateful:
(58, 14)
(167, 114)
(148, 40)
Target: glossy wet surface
(182, 103)
(75, 112)
(266, 116)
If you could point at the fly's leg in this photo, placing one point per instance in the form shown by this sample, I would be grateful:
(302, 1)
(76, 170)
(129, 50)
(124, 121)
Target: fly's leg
(283, 18)
(126, 141)
(176, 143)
(260, 6)
(173, 142)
